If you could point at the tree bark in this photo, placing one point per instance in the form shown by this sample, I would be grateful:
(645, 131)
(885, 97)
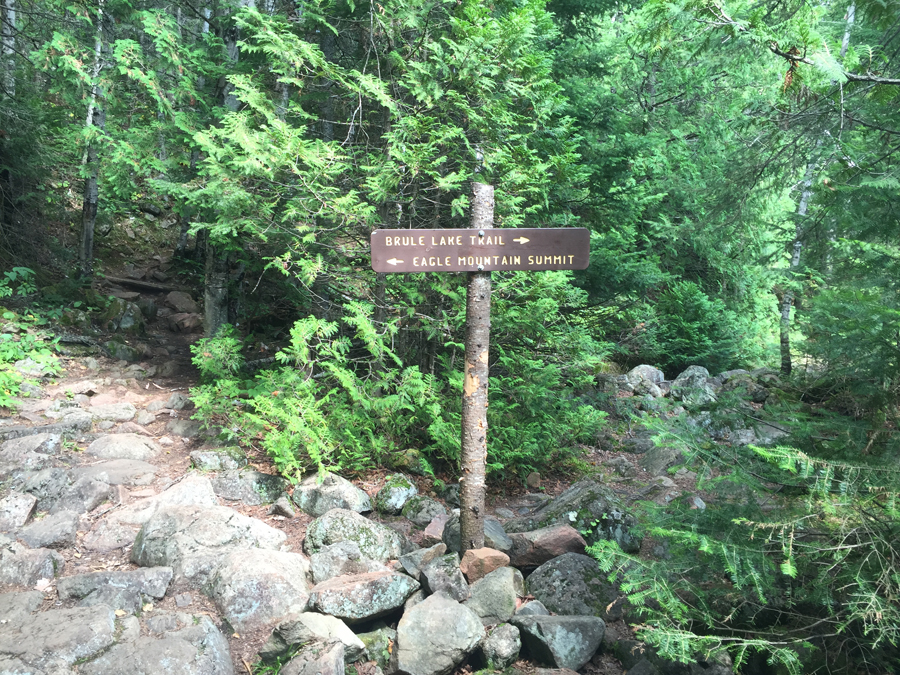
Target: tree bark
(475, 384)
(215, 294)
(95, 117)
(8, 47)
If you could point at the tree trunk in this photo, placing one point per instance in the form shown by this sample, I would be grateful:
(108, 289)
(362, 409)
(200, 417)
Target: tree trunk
(95, 117)
(788, 298)
(475, 384)
(215, 297)
(8, 47)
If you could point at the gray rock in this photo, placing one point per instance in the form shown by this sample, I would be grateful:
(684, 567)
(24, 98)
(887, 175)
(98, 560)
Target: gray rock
(397, 490)
(123, 352)
(144, 418)
(422, 510)
(644, 373)
(282, 507)
(494, 535)
(182, 302)
(413, 562)
(108, 536)
(119, 590)
(46, 444)
(375, 541)
(533, 608)
(16, 607)
(692, 387)
(442, 575)
(193, 490)
(493, 597)
(359, 597)
(53, 640)
(219, 459)
(378, 645)
(250, 487)
(184, 428)
(746, 387)
(622, 466)
(123, 446)
(16, 509)
(318, 658)
(501, 648)
(434, 637)
(659, 458)
(155, 406)
(588, 506)
(47, 485)
(643, 667)
(193, 540)
(333, 492)
(54, 531)
(309, 627)
(106, 425)
(340, 559)
(574, 584)
(256, 588)
(195, 648)
(31, 368)
(178, 401)
(75, 422)
(118, 472)
(503, 512)
(22, 566)
(413, 600)
(561, 641)
(113, 412)
(531, 549)
(84, 495)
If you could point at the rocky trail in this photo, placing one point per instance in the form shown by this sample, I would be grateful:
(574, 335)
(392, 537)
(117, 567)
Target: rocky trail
(130, 542)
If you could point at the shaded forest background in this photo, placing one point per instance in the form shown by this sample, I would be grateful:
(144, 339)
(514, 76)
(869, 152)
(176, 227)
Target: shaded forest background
(735, 163)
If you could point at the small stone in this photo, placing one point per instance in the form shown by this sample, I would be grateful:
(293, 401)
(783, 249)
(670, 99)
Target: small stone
(144, 418)
(501, 648)
(533, 480)
(281, 507)
(184, 428)
(479, 562)
(183, 600)
(182, 302)
(16, 509)
(54, 531)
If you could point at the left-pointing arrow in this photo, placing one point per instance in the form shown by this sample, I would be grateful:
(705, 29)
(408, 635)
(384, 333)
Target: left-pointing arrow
(394, 261)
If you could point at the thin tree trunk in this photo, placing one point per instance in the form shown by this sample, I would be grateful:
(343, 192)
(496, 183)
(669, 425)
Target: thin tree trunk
(8, 47)
(215, 298)
(788, 298)
(475, 384)
(95, 117)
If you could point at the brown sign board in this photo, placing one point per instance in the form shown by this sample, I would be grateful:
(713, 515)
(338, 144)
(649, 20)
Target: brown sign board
(469, 250)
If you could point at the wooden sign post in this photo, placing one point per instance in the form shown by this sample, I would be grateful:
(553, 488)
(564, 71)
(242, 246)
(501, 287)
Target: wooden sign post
(478, 251)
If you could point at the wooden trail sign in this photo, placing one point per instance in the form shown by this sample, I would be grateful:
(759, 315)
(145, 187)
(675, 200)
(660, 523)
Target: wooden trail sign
(480, 250)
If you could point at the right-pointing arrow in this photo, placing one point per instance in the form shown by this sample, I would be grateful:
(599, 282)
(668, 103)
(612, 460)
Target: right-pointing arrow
(394, 261)
(522, 240)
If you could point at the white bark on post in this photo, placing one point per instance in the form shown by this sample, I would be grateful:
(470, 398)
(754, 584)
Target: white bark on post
(475, 384)
(8, 47)
(95, 117)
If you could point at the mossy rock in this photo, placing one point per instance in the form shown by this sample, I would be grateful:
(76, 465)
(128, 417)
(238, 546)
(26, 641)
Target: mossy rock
(397, 490)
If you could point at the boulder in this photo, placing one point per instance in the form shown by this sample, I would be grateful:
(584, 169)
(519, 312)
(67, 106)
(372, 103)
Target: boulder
(434, 532)
(184, 428)
(359, 597)
(434, 637)
(22, 566)
(317, 497)
(193, 490)
(318, 658)
(376, 542)
(746, 387)
(644, 373)
(309, 627)
(16, 509)
(379, 643)
(109, 535)
(693, 387)
(193, 540)
(413, 562)
(561, 641)
(17, 606)
(43, 443)
(54, 531)
(658, 459)
(533, 608)
(250, 487)
(258, 588)
(182, 302)
(494, 535)
(52, 641)
(219, 459)
(477, 563)
(282, 507)
(397, 490)
(123, 446)
(118, 472)
(587, 506)
(82, 496)
(113, 412)
(186, 645)
(501, 647)
(123, 352)
(494, 597)
(422, 510)
(340, 559)
(46, 485)
(442, 575)
(574, 584)
(178, 401)
(119, 590)
(531, 549)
